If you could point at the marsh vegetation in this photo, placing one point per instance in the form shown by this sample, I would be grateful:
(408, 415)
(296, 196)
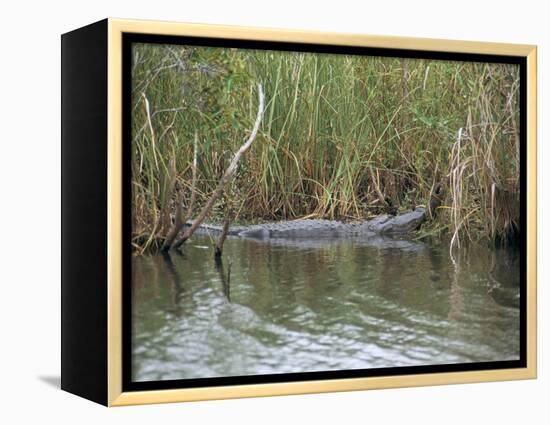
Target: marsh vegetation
(342, 137)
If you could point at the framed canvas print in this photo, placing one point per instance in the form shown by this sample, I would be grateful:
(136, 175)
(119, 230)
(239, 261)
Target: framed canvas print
(252, 212)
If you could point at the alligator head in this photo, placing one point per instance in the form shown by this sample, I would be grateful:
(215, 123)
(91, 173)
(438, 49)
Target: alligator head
(397, 225)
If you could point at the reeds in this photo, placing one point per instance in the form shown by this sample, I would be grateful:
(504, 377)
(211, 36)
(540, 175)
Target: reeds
(329, 120)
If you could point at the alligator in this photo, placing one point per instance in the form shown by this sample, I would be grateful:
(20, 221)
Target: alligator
(387, 225)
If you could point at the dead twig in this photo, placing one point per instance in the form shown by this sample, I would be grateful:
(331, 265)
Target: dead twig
(179, 220)
(171, 184)
(385, 200)
(229, 172)
(193, 180)
(375, 184)
(223, 236)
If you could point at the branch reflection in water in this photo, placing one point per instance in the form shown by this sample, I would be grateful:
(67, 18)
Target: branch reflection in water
(280, 306)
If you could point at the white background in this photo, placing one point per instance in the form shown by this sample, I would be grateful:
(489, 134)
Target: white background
(30, 211)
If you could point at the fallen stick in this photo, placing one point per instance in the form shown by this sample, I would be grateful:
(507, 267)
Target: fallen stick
(229, 172)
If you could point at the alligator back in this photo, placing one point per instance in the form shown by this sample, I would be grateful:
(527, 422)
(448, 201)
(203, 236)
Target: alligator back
(384, 224)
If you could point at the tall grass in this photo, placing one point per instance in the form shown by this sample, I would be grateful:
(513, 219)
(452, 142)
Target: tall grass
(329, 119)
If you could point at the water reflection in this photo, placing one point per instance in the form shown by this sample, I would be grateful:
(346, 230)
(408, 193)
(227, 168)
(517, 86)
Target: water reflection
(225, 278)
(293, 306)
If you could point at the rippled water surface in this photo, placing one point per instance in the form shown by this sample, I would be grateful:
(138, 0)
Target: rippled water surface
(297, 306)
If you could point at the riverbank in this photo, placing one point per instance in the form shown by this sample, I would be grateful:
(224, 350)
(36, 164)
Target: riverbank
(342, 137)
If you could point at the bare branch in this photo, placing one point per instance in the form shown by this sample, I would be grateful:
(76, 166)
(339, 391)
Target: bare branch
(150, 125)
(193, 180)
(223, 236)
(179, 220)
(229, 172)
(165, 209)
(375, 183)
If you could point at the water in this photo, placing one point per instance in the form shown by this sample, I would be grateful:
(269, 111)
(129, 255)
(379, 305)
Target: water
(300, 306)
